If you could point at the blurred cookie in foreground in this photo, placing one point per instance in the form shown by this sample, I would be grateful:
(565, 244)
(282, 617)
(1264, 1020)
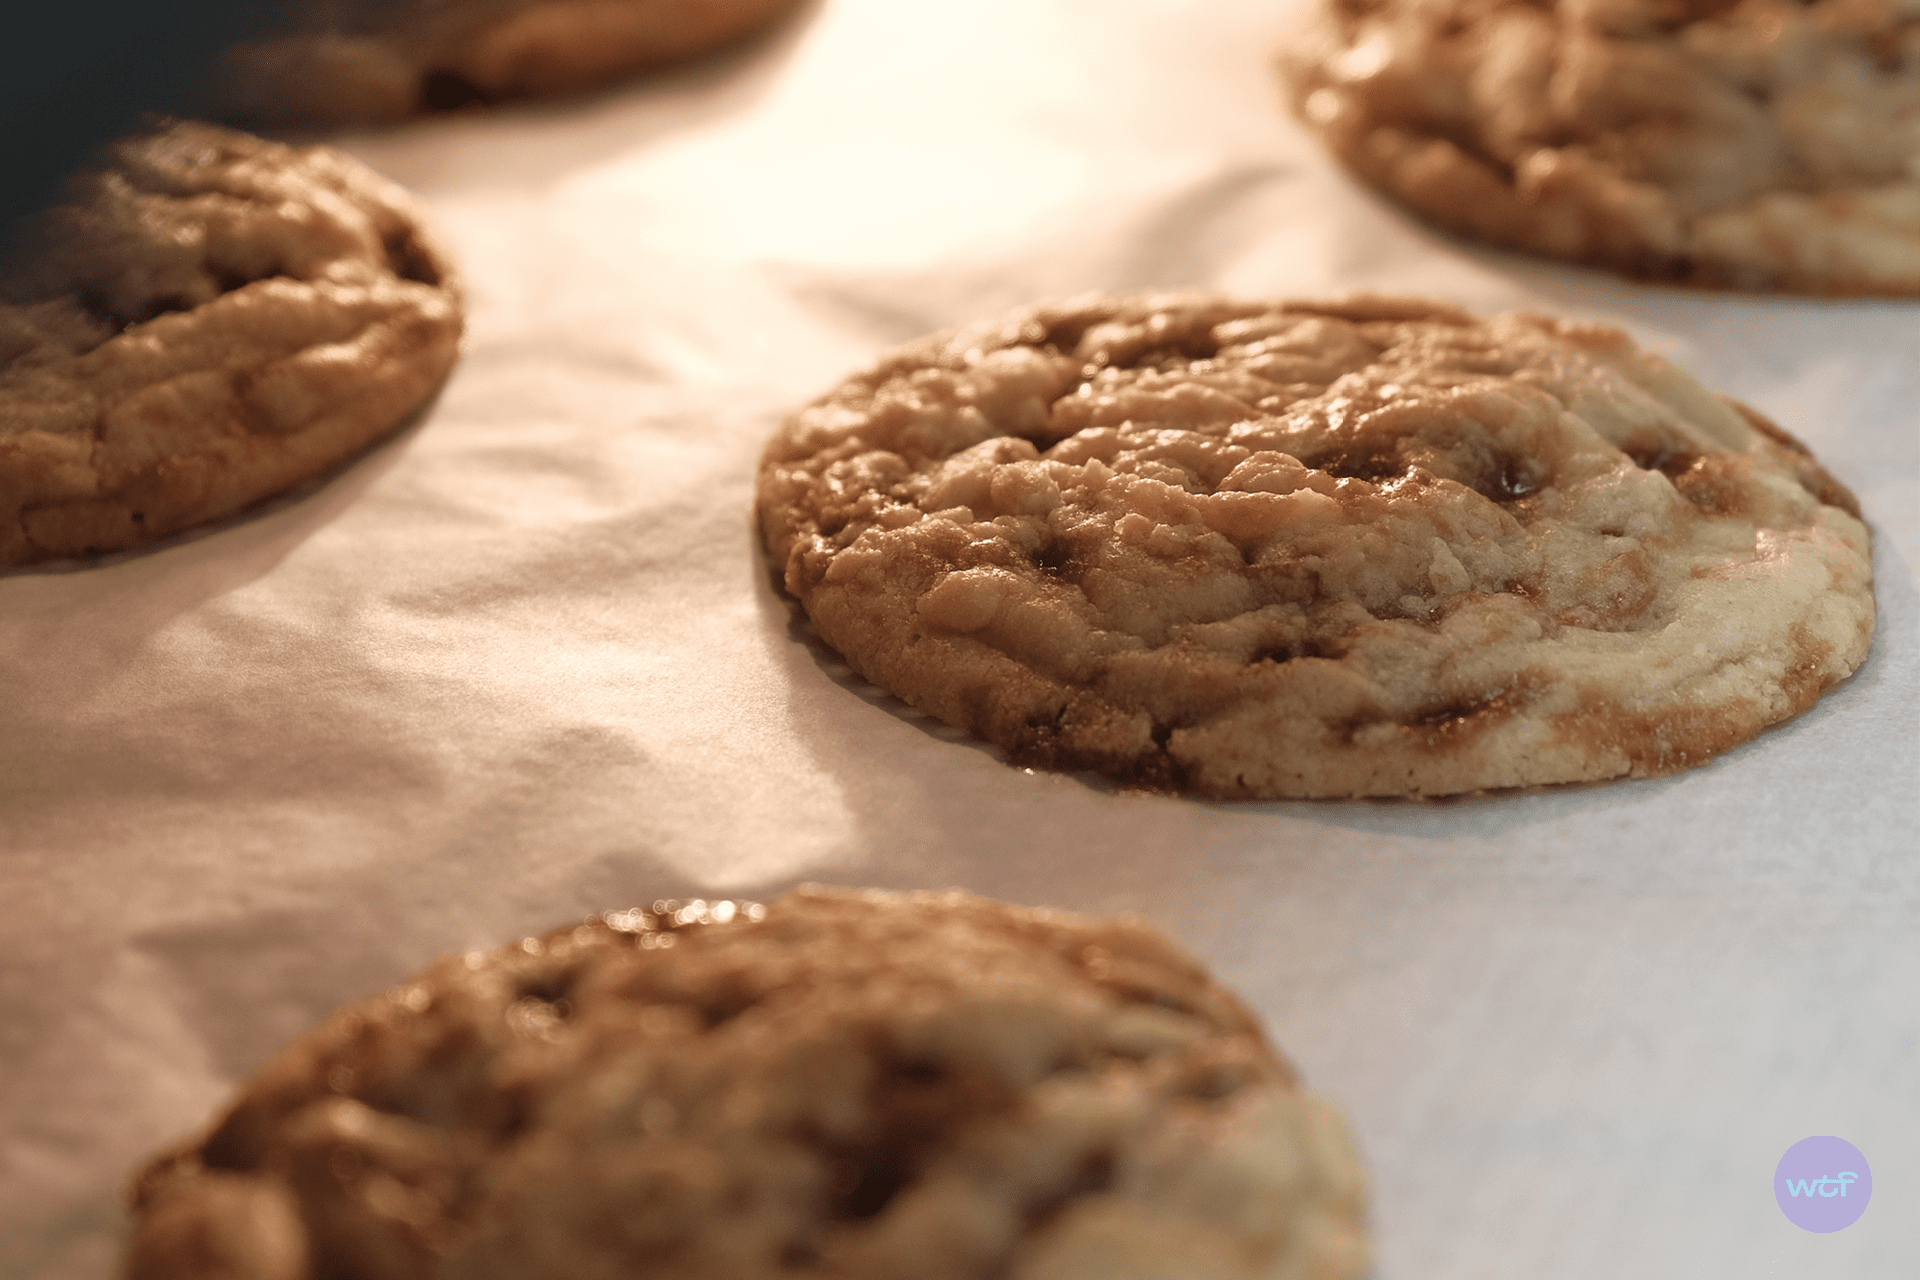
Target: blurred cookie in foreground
(840, 1085)
(209, 319)
(1765, 144)
(372, 61)
(1372, 547)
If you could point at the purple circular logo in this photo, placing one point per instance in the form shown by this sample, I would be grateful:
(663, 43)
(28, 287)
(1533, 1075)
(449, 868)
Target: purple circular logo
(1823, 1184)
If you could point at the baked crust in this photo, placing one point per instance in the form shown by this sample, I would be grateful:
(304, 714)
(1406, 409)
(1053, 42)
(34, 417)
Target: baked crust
(1272, 549)
(209, 320)
(1766, 144)
(842, 1085)
(373, 61)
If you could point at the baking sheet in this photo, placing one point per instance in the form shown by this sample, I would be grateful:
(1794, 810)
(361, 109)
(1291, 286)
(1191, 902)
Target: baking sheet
(522, 662)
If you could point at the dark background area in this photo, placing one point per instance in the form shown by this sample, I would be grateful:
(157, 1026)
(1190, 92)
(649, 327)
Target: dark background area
(74, 74)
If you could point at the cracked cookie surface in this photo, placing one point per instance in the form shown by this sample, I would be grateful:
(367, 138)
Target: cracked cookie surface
(1764, 144)
(840, 1085)
(372, 61)
(210, 319)
(1362, 548)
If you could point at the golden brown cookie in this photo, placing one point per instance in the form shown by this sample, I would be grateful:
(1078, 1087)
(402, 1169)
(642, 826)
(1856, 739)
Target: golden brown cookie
(372, 61)
(842, 1085)
(1765, 144)
(210, 319)
(1291, 549)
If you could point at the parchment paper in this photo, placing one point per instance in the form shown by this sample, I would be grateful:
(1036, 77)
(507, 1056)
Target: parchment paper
(522, 662)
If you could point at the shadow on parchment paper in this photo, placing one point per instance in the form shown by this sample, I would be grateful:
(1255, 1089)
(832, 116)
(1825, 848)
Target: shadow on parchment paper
(120, 601)
(99, 614)
(1592, 292)
(837, 743)
(1739, 320)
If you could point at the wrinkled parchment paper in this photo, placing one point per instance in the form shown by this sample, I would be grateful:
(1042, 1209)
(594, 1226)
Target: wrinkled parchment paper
(521, 663)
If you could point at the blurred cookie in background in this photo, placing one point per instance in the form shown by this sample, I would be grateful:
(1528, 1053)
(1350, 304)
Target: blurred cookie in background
(205, 320)
(1761, 145)
(341, 62)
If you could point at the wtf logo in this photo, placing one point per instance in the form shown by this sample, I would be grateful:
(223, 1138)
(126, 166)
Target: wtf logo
(1812, 1197)
(1833, 1185)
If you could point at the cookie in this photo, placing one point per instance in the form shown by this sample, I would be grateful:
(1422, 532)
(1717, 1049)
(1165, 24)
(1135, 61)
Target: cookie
(373, 61)
(1294, 549)
(1765, 144)
(840, 1085)
(209, 320)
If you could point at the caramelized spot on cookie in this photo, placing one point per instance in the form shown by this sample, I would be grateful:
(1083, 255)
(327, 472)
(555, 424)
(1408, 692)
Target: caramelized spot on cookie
(1293, 650)
(409, 260)
(1716, 485)
(1056, 560)
(1662, 451)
